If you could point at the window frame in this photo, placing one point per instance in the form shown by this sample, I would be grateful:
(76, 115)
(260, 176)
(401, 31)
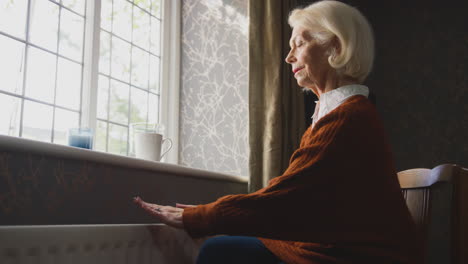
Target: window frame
(169, 70)
(28, 46)
(169, 77)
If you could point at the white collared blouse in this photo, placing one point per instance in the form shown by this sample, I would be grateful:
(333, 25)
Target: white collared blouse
(334, 98)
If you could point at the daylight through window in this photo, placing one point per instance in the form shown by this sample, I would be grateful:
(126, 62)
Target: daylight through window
(42, 51)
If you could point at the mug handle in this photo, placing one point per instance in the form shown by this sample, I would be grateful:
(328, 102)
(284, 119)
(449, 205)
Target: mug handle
(169, 148)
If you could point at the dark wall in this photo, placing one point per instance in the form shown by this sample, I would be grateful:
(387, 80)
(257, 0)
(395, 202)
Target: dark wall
(38, 189)
(420, 78)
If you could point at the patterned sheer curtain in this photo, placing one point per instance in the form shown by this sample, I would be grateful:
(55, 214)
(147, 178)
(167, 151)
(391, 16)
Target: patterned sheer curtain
(276, 103)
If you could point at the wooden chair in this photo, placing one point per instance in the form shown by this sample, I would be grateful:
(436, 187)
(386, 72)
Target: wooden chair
(438, 202)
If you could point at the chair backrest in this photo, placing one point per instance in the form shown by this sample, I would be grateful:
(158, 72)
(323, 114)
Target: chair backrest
(438, 202)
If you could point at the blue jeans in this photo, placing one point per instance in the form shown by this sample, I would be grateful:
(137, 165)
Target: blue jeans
(235, 250)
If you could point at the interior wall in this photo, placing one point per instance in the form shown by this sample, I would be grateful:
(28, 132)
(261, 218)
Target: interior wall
(43, 189)
(420, 78)
(214, 86)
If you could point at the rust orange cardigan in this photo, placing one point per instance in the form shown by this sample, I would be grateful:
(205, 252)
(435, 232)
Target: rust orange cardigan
(339, 201)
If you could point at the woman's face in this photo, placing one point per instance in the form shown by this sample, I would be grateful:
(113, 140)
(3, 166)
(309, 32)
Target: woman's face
(309, 59)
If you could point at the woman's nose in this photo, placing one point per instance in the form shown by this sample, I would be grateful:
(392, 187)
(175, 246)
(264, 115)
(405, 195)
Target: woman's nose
(290, 58)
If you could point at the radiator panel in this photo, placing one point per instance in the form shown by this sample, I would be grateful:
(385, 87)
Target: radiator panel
(89, 244)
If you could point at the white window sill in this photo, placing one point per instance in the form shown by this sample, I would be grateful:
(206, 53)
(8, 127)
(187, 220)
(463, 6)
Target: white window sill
(31, 146)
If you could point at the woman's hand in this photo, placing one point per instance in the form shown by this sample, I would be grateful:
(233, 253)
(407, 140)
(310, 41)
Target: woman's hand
(169, 215)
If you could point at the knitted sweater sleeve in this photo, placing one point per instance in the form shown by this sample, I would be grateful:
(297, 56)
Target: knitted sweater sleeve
(294, 199)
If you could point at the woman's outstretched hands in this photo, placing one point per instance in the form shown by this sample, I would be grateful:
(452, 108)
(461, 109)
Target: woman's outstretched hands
(169, 215)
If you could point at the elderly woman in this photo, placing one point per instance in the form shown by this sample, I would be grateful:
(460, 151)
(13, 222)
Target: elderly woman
(339, 200)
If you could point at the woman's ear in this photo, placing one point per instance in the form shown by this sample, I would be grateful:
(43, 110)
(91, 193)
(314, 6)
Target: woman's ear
(335, 46)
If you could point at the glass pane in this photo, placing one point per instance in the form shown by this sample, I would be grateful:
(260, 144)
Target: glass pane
(75, 5)
(156, 8)
(101, 136)
(155, 35)
(140, 67)
(141, 28)
(40, 75)
(37, 121)
(118, 111)
(153, 107)
(64, 120)
(103, 97)
(122, 19)
(104, 53)
(71, 35)
(11, 65)
(10, 117)
(68, 84)
(44, 24)
(117, 139)
(145, 4)
(13, 17)
(139, 107)
(120, 67)
(106, 14)
(154, 74)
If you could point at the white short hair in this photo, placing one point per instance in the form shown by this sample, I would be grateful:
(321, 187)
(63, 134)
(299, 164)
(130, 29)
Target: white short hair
(328, 19)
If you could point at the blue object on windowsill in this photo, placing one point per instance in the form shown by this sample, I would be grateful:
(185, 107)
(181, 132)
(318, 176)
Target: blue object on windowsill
(80, 138)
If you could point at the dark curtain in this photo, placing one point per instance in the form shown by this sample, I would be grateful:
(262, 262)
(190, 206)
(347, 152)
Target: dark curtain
(276, 103)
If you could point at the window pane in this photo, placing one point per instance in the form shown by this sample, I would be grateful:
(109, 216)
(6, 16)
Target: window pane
(145, 4)
(117, 139)
(120, 67)
(11, 65)
(75, 5)
(104, 53)
(44, 24)
(154, 74)
(155, 35)
(141, 28)
(122, 25)
(140, 67)
(139, 107)
(101, 136)
(37, 121)
(64, 120)
(13, 17)
(106, 14)
(153, 107)
(71, 35)
(103, 97)
(156, 8)
(10, 117)
(68, 84)
(118, 111)
(40, 75)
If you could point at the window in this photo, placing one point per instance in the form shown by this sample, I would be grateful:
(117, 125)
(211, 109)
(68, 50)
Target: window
(41, 67)
(129, 52)
(52, 78)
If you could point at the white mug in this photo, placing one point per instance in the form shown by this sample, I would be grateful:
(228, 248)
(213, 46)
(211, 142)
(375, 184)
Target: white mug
(148, 146)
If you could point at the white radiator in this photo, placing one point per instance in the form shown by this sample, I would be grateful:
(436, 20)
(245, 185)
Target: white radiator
(90, 244)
